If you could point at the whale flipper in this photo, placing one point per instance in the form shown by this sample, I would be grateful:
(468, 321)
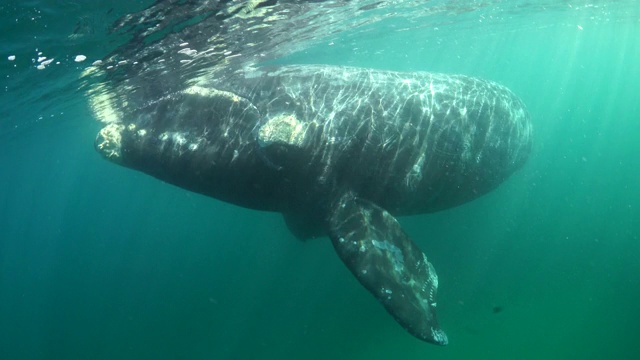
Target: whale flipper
(374, 247)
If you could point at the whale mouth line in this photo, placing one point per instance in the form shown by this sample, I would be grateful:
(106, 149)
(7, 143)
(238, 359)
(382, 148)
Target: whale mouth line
(109, 141)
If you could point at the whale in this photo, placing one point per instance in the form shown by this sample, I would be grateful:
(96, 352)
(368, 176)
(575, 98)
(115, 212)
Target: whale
(340, 152)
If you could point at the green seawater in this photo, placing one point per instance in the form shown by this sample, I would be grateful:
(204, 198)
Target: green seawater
(101, 262)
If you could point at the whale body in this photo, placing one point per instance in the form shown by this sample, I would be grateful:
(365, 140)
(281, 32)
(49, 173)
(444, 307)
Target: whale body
(340, 152)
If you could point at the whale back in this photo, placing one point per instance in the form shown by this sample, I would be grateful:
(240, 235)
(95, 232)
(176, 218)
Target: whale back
(286, 138)
(410, 142)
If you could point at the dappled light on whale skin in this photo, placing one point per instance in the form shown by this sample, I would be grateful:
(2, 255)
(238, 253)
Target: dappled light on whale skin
(326, 145)
(321, 114)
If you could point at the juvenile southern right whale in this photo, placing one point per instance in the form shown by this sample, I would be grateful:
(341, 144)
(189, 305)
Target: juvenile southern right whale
(339, 151)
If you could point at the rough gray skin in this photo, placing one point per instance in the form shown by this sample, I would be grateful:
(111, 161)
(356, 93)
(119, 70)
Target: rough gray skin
(339, 151)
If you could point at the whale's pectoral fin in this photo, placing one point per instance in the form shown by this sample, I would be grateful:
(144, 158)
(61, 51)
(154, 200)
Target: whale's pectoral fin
(374, 247)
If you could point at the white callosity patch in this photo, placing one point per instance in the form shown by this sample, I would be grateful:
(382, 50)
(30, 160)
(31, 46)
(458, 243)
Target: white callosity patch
(110, 140)
(282, 129)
